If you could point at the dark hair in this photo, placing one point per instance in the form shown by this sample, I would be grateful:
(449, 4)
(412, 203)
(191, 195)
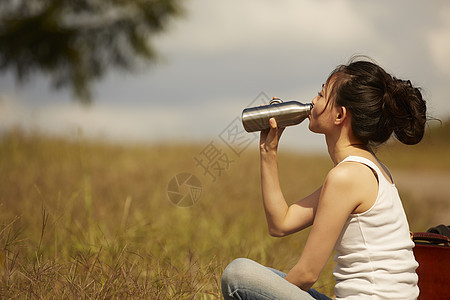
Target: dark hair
(379, 104)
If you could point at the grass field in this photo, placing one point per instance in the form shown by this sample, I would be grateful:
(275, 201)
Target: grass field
(83, 219)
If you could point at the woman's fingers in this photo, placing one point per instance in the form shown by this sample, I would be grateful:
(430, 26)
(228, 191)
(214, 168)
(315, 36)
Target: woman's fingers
(279, 130)
(269, 138)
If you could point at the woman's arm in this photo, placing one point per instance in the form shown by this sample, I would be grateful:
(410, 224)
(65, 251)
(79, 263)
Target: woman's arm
(345, 188)
(281, 218)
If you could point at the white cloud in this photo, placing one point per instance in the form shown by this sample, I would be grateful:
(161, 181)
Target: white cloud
(218, 26)
(439, 42)
(106, 121)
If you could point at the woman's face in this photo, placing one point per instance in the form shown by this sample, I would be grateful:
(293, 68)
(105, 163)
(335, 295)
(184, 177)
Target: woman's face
(324, 111)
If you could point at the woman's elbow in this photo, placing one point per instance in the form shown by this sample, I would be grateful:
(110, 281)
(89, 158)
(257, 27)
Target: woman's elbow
(276, 232)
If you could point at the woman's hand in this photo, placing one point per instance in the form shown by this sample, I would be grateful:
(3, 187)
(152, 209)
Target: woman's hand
(269, 138)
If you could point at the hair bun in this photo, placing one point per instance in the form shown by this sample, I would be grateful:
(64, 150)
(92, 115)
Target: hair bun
(405, 111)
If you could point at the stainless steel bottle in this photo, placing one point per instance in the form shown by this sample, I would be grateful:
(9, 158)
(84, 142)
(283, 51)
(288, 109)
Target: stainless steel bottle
(285, 113)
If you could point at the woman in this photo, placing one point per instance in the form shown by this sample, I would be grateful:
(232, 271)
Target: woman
(357, 211)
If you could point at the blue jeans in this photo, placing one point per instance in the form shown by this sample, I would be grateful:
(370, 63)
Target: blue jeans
(246, 279)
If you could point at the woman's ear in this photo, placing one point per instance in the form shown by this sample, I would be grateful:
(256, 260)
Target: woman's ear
(341, 115)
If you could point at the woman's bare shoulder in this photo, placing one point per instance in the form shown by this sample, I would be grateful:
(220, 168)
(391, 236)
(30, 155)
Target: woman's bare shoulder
(350, 171)
(354, 181)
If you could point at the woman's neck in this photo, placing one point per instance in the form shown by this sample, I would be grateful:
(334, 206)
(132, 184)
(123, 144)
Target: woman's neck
(340, 148)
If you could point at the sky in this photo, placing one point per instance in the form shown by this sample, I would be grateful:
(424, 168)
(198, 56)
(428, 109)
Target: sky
(221, 56)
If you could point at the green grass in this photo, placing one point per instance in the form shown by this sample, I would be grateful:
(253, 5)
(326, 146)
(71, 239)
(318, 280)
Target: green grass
(83, 219)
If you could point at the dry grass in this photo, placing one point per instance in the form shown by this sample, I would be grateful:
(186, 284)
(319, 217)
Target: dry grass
(92, 220)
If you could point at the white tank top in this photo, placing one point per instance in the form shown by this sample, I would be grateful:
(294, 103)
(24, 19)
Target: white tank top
(374, 251)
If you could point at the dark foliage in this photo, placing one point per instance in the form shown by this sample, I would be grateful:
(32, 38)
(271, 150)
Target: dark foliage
(77, 41)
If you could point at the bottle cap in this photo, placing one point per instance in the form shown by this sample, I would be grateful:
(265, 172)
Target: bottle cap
(275, 100)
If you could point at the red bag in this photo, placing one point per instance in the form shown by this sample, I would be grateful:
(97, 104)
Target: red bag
(432, 252)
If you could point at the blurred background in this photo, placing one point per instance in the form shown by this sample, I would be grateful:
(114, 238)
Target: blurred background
(214, 57)
(110, 109)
